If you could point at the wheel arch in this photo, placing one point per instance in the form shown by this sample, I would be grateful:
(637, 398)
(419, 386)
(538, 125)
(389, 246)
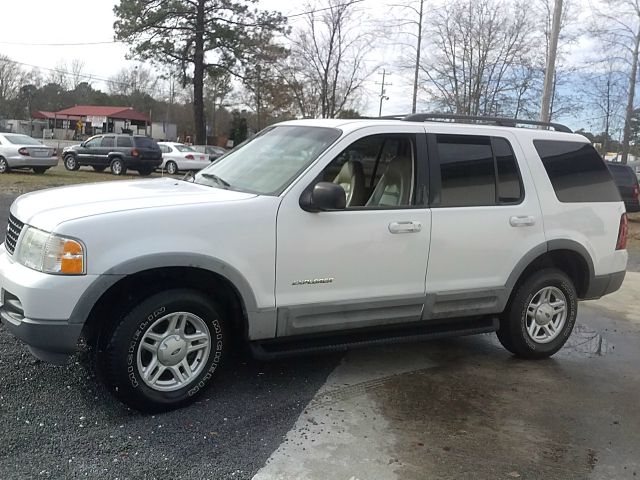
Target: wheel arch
(566, 255)
(122, 286)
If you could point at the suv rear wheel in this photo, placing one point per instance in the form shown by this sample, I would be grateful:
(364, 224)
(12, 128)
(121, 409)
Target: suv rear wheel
(71, 163)
(540, 317)
(165, 351)
(118, 167)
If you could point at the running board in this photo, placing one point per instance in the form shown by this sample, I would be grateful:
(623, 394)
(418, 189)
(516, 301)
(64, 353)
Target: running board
(295, 346)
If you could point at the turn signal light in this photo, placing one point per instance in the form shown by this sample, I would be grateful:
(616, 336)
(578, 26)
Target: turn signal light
(72, 259)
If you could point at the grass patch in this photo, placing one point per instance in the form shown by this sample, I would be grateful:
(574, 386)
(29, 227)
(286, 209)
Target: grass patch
(23, 181)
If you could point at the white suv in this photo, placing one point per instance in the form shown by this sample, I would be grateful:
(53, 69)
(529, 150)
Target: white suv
(317, 235)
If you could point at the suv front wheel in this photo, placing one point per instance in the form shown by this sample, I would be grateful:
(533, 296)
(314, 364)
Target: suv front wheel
(540, 316)
(165, 351)
(71, 163)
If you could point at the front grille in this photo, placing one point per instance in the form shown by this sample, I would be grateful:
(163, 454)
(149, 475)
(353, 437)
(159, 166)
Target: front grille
(13, 232)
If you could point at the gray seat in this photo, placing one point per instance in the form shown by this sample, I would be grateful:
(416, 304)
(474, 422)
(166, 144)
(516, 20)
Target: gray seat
(395, 186)
(351, 178)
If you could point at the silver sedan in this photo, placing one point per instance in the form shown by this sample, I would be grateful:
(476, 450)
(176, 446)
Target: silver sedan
(178, 157)
(22, 151)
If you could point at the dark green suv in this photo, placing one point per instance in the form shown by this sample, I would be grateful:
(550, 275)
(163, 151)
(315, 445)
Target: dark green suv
(116, 151)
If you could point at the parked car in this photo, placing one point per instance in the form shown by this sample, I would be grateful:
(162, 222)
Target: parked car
(19, 151)
(178, 157)
(317, 235)
(213, 151)
(119, 152)
(627, 183)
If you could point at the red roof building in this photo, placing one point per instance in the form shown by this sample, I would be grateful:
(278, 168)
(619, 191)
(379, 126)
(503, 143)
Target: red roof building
(119, 113)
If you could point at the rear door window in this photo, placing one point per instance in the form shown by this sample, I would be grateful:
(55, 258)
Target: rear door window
(125, 142)
(576, 171)
(108, 142)
(477, 171)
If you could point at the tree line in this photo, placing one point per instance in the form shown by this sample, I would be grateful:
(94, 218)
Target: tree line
(230, 65)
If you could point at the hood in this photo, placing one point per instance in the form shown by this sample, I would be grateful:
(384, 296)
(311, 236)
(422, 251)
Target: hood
(48, 208)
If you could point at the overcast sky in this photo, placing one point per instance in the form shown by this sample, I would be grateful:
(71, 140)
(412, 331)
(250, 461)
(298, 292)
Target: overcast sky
(73, 21)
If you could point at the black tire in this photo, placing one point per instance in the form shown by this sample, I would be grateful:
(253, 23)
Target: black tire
(71, 163)
(39, 170)
(145, 172)
(171, 167)
(118, 167)
(99, 168)
(119, 358)
(4, 166)
(514, 322)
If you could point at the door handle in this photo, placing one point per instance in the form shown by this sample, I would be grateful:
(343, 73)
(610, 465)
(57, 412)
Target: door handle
(522, 221)
(405, 227)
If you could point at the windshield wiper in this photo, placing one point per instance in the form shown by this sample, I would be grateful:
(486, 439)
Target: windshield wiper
(216, 179)
(187, 176)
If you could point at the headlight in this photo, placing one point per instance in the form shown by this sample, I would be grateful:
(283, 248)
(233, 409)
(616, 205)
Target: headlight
(49, 253)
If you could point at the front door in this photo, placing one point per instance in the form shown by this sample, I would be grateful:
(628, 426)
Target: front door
(365, 265)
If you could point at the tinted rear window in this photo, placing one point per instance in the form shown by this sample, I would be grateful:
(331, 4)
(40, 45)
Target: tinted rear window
(623, 175)
(125, 142)
(577, 172)
(145, 142)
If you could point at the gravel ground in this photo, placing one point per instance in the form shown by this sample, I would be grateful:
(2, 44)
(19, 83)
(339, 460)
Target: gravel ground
(58, 422)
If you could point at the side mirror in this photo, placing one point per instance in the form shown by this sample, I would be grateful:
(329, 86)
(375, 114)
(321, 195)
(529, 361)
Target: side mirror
(83, 144)
(324, 196)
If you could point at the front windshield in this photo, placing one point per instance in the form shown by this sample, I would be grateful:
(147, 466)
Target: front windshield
(22, 140)
(269, 162)
(184, 148)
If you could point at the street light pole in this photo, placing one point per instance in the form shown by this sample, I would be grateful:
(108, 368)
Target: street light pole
(383, 92)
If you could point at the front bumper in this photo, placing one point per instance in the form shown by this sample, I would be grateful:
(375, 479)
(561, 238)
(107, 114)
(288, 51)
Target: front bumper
(22, 161)
(37, 307)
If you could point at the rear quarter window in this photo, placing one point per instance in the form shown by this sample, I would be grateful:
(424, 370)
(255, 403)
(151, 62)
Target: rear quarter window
(145, 142)
(577, 172)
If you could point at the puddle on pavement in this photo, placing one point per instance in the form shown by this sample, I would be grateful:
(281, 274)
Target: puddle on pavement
(586, 341)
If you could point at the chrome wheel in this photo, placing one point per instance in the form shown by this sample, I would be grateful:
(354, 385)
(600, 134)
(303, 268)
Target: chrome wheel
(4, 166)
(70, 163)
(172, 168)
(173, 351)
(546, 315)
(116, 167)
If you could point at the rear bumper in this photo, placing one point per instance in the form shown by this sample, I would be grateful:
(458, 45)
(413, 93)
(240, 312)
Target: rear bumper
(604, 284)
(22, 161)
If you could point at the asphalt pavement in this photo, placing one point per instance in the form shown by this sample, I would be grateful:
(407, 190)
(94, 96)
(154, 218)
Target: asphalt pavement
(457, 408)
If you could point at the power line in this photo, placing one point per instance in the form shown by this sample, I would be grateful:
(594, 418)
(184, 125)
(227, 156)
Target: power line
(153, 90)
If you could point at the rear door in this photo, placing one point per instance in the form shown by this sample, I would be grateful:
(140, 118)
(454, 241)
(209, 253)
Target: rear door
(486, 219)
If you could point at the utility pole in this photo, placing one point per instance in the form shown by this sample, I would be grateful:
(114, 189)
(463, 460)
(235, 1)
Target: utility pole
(383, 91)
(418, 46)
(549, 74)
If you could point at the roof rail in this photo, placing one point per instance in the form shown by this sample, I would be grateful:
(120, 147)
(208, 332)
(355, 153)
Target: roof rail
(499, 121)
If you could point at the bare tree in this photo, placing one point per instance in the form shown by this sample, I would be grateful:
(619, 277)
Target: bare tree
(618, 26)
(133, 80)
(76, 73)
(606, 97)
(329, 52)
(475, 49)
(10, 79)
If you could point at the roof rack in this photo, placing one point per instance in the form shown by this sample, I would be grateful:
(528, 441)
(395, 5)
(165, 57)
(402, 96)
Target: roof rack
(499, 121)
